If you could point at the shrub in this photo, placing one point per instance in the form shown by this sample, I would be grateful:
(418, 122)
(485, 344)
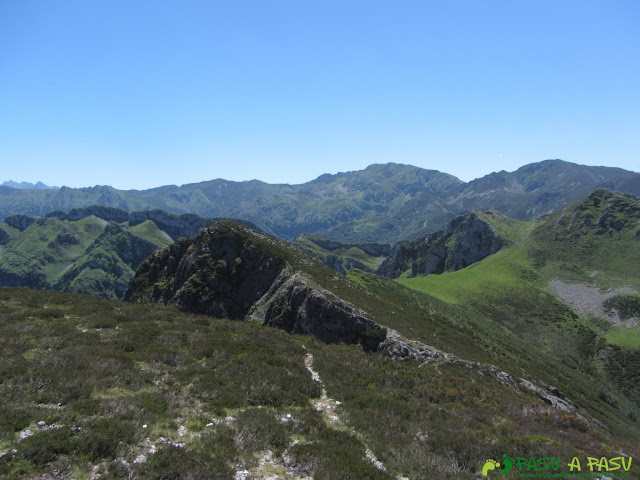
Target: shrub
(13, 419)
(45, 447)
(102, 437)
(175, 463)
(155, 403)
(259, 429)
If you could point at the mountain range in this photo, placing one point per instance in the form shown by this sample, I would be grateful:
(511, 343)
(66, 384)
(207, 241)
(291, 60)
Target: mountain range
(382, 203)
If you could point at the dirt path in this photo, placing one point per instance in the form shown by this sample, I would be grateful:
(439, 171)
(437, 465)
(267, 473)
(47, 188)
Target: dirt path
(324, 404)
(328, 406)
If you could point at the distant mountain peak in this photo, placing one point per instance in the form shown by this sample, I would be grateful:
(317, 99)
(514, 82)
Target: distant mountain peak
(27, 185)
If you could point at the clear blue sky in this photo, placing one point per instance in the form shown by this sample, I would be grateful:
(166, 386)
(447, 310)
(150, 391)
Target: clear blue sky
(137, 94)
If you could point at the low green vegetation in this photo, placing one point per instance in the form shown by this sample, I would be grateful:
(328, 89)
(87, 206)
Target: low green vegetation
(505, 316)
(118, 390)
(85, 382)
(429, 421)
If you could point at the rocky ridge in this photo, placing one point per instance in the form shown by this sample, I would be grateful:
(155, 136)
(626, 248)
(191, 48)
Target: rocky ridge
(230, 270)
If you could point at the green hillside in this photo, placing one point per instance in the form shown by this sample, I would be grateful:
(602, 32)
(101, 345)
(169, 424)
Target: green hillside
(591, 244)
(93, 250)
(89, 255)
(150, 232)
(595, 240)
(44, 251)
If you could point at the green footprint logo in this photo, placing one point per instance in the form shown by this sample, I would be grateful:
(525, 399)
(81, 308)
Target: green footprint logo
(488, 466)
(507, 462)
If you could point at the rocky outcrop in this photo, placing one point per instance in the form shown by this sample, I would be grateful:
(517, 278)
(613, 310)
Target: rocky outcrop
(230, 270)
(400, 348)
(21, 222)
(602, 212)
(294, 304)
(551, 396)
(217, 273)
(466, 239)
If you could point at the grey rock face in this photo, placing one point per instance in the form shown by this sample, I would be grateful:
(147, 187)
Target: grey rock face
(466, 240)
(295, 305)
(400, 348)
(474, 240)
(551, 396)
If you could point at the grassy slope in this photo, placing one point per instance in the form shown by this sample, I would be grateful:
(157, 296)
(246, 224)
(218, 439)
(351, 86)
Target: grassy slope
(49, 246)
(150, 232)
(509, 289)
(9, 230)
(111, 379)
(108, 264)
(582, 243)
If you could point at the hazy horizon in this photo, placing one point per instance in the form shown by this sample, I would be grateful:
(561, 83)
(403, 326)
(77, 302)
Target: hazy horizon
(285, 183)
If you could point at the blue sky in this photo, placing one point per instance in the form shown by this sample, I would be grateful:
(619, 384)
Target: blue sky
(147, 93)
